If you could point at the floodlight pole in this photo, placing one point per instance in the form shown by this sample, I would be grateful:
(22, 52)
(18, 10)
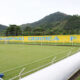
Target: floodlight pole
(5, 41)
(22, 37)
(72, 43)
(55, 42)
(41, 41)
(64, 41)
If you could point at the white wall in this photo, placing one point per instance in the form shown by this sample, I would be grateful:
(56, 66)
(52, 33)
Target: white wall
(61, 70)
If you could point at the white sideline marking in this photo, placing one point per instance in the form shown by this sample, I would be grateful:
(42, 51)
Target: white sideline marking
(32, 62)
(21, 72)
(34, 69)
(50, 62)
(37, 68)
(26, 64)
(61, 70)
(29, 71)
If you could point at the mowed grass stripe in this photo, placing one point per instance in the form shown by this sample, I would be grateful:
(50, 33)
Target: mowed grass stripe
(13, 55)
(35, 61)
(15, 77)
(38, 59)
(21, 53)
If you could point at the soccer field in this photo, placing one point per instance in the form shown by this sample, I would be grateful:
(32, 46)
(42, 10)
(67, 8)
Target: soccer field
(16, 57)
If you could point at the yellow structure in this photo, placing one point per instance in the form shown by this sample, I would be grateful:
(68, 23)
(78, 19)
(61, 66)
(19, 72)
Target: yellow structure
(52, 38)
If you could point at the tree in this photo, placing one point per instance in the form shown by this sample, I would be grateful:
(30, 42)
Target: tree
(27, 31)
(13, 30)
(73, 25)
(38, 31)
(28, 28)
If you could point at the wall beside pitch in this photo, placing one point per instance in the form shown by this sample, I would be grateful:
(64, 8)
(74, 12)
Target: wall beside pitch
(53, 38)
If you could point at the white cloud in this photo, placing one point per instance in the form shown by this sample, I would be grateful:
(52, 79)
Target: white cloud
(24, 11)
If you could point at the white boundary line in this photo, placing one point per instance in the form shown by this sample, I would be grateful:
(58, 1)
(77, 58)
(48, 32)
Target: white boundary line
(35, 69)
(29, 71)
(54, 46)
(31, 63)
(51, 56)
(46, 58)
(50, 62)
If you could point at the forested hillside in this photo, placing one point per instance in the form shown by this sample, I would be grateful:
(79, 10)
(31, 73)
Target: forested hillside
(54, 24)
(2, 27)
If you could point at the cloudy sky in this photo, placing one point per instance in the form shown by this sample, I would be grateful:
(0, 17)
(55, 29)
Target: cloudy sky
(27, 11)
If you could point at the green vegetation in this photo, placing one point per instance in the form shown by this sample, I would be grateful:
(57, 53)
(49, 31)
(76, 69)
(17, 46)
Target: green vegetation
(2, 27)
(54, 24)
(13, 30)
(2, 30)
(69, 25)
(73, 25)
(15, 57)
(78, 78)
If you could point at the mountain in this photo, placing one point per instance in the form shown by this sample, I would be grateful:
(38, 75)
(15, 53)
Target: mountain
(53, 24)
(49, 25)
(52, 18)
(2, 27)
(73, 25)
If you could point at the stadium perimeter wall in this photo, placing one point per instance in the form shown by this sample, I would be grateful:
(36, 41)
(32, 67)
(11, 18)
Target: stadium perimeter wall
(52, 38)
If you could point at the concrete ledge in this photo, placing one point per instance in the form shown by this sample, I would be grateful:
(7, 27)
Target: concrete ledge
(61, 70)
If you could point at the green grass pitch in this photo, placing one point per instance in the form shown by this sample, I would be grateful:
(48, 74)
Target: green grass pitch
(78, 78)
(15, 57)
